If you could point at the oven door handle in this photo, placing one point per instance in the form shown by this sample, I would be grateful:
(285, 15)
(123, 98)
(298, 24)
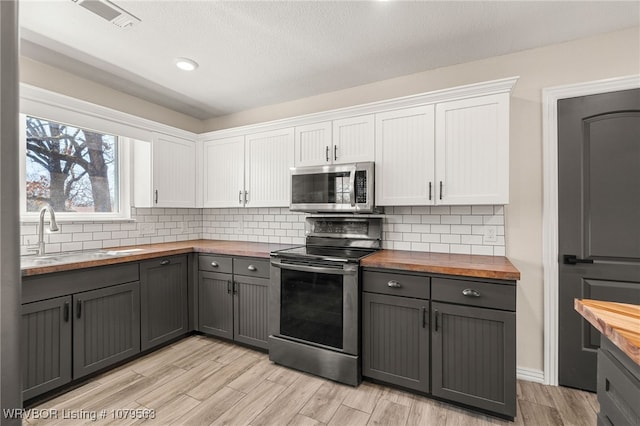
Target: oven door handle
(317, 269)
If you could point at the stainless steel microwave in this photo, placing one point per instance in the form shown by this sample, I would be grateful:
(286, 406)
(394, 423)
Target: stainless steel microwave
(333, 188)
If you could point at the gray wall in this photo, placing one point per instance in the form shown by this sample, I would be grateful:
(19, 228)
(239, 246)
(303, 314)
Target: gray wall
(10, 395)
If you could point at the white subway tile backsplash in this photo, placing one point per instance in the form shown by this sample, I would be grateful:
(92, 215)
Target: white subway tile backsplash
(446, 229)
(480, 210)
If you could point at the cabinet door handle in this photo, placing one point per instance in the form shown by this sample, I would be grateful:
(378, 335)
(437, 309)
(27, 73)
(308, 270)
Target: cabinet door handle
(240, 197)
(66, 312)
(252, 268)
(435, 320)
(79, 308)
(155, 196)
(214, 264)
(441, 190)
(469, 292)
(424, 316)
(394, 284)
(326, 153)
(430, 185)
(235, 287)
(246, 197)
(229, 287)
(335, 152)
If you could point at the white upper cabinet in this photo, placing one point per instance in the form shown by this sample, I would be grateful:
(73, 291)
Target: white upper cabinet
(472, 150)
(348, 140)
(445, 147)
(164, 172)
(404, 156)
(174, 174)
(223, 172)
(268, 159)
(353, 139)
(313, 144)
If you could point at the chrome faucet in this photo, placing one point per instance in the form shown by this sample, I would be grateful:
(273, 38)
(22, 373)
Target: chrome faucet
(53, 227)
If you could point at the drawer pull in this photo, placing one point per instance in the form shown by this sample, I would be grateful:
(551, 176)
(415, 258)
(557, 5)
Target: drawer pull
(394, 284)
(469, 292)
(214, 264)
(165, 262)
(252, 268)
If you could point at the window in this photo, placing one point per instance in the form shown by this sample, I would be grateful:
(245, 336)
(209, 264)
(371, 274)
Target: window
(74, 169)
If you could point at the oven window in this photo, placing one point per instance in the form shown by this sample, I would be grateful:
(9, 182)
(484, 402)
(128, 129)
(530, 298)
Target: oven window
(311, 307)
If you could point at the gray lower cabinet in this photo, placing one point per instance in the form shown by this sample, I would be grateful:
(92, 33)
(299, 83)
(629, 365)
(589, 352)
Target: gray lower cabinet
(473, 347)
(233, 301)
(106, 327)
(251, 302)
(396, 340)
(462, 331)
(215, 299)
(164, 302)
(77, 322)
(46, 345)
(618, 386)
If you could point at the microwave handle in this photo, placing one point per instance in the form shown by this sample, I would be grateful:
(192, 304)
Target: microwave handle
(352, 185)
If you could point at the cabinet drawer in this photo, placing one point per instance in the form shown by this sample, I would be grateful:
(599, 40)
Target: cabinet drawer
(396, 284)
(214, 263)
(251, 267)
(474, 293)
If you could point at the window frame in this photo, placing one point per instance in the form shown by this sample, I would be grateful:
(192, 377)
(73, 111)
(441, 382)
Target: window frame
(123, 178)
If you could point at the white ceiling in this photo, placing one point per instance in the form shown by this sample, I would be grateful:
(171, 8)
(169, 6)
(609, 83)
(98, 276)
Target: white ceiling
(264, 52)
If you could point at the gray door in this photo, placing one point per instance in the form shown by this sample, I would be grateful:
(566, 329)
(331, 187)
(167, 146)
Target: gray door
(46, 345)
(251, 304)
(472, 356)
(164, 304)
(215, 299)
(106, 327)
(599, 219)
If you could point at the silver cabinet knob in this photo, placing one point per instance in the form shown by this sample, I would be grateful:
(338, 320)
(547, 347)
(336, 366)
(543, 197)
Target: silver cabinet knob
(252, 268)
(469, 292)
(394, 284)
(214, 264)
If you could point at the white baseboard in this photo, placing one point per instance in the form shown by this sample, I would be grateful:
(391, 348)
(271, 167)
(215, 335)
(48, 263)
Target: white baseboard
(530, 375)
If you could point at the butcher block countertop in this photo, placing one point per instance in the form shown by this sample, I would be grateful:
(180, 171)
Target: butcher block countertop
(619, 322)
(496, 267)
(149, 251)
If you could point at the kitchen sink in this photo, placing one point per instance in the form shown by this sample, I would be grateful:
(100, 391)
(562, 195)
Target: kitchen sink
(70, 257)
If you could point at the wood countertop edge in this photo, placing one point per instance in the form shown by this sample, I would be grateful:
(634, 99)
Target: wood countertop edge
(463, 265)
(152, 251)
(478, 266)
(612, 320)
(445, 270)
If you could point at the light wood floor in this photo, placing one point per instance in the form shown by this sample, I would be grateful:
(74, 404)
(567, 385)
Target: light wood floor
(202, 381)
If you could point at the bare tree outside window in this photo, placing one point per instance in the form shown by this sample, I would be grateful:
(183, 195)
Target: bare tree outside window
(72, 169)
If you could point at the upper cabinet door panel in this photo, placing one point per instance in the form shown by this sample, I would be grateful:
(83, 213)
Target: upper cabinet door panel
(313, 145)
(174, 172)
(404, 141)
(472, 150)
(268, 160)
(353, 140)
(223, 172)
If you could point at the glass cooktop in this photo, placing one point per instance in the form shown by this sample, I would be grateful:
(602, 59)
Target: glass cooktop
(342, 254)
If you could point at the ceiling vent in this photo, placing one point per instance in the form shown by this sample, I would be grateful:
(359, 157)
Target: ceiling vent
(109, 11)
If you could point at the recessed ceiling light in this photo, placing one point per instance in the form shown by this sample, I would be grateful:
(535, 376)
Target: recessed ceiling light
(186, 64)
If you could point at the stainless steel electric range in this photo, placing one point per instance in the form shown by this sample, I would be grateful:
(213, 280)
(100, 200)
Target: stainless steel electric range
(314, 317)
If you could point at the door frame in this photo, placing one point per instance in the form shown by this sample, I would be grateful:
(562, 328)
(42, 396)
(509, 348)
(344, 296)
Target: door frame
(550, 97)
